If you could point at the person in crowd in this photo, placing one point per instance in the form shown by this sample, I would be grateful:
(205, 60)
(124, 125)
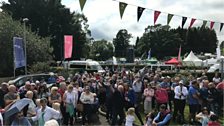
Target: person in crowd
(118, 104)
(130, 117)
(204, 93)
(42, 92)
(193, 100)
(56, 106)
(216, 79)
(51, 79)
(3, 92)
(213, 98)
(94, 87)
(148, 94)
(38, 105)
(20, 120)
(214, 121)
(87, 99)
(45, 113)
(1, 117)
(109, 92)
(204, 116)
(163, 117)
(181, 93)
(31, 107)
(138, 88)
(220, 89)
(11, 95)
(70, 99)
(33, 88)
(161, 96)
(22, 90)
(54, 96)
(130, 100)
(51, 122)
(149, 118)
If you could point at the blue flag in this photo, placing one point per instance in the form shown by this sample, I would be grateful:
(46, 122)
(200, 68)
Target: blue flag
(19, 58)
(149, 54)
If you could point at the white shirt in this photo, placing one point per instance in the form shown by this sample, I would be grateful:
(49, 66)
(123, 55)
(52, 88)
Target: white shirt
(129, 120)
(50, 113)
(87, 99)
(177, 91)
(71, 97)
(1, 119)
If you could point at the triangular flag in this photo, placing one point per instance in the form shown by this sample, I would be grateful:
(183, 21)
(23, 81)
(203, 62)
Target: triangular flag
(192, 22)
(82, 3)
(156, 15)
(221, 25)
(169, 17)
(122, 7)
(204, 24)
(140, 11)
(212, 24)
(184, 19)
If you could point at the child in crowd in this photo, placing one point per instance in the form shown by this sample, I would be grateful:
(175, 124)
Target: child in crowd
(130, 117)
(56, 106)
(214, 121)
(149, 118)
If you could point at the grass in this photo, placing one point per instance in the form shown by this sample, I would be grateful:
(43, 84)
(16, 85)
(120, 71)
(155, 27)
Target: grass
(186, 114)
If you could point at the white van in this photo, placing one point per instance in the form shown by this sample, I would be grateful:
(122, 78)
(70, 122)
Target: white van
(87, 65)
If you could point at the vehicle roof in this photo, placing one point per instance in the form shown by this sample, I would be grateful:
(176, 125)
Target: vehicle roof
(30, 75)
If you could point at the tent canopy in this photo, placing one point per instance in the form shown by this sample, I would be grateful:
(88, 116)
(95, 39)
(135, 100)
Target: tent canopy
(172, 61)
(191, 59)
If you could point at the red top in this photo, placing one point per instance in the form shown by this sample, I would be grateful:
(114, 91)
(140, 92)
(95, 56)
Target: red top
(213, 123)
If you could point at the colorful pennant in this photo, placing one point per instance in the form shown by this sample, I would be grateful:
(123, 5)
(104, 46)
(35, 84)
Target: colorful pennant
(156, 15)
(122, 7)
(82, 4)
(139, 12)
(169, 17)
(184, 19)
(192, 22)
(221, 25)
(212, 24)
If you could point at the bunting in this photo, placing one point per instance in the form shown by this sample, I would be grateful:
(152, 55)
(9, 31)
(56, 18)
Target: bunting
(82, 3)
(184, 19)
(192, 22)
(169, 17)
(122, 7)
(221, 25)
(156, 15)
(139, 12)
(212, 24)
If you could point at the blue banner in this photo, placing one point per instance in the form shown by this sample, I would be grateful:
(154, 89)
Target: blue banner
(19, 58)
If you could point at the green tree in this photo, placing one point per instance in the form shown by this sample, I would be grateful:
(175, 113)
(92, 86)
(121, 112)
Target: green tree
(51, 18)
(38, 48)
(160, 40)
(101, 50)
(121, 42)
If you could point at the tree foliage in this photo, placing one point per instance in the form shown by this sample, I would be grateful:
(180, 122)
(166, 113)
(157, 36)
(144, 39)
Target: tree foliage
(101, 50)
(38, 49)
(164, 41)
(121, 42)
(51, 18)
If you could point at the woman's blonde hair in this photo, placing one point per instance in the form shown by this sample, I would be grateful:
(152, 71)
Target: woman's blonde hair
(131, 111)
(53, 88)
(70, 86)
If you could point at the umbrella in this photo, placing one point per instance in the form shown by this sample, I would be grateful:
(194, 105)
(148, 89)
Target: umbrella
(17, 107)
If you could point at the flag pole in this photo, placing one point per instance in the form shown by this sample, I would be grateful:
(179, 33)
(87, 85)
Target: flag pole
(14, 68)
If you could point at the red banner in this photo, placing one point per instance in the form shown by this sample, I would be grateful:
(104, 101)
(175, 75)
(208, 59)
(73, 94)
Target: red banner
(156, 15)
(68, 43)
(212, 24)
(192, 22)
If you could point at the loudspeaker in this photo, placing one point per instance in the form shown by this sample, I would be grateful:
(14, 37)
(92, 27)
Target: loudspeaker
(130, 56)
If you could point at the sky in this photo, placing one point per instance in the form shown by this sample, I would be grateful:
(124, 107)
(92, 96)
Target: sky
(104, 17)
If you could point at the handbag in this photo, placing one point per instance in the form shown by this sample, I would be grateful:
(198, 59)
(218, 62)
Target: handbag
(79, 107)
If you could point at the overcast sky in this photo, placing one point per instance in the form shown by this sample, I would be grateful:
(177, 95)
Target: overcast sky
(104, 17)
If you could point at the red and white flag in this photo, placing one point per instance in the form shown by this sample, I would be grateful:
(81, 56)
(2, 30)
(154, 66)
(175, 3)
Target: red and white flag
(156, 15)
(68, 43)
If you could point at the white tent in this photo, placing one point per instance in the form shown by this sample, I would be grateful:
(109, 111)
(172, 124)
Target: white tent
(192, 60)
(209, 62)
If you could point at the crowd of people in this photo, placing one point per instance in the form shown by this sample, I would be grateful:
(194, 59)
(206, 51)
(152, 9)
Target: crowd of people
(122, 94)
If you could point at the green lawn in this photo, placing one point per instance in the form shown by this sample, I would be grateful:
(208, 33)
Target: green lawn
(186, 113)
